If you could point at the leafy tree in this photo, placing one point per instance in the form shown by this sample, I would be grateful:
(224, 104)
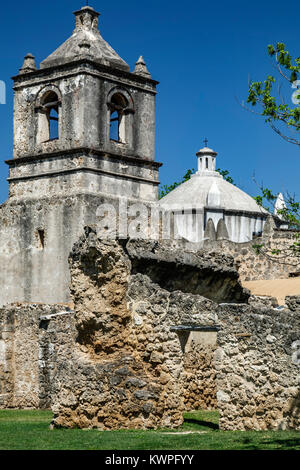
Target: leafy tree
(273, 106)
(289, 254)
(284, 119)
(165, 189)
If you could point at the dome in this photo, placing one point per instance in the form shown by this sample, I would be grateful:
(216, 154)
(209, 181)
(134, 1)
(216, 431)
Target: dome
(209, 207)
(211, 191)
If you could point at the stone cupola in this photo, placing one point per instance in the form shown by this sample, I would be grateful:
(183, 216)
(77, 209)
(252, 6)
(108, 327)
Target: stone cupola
(206, 161)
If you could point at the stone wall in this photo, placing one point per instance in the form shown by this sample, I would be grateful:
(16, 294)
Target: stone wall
(143, 343)
(128, 296)
(123, 366)
(258, 367)
(252, 265)
(199, 378)
(6, 357)
(28, 353)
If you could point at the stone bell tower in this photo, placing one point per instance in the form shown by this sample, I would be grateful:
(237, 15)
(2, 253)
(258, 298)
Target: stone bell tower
(83, 121)
(84, 129)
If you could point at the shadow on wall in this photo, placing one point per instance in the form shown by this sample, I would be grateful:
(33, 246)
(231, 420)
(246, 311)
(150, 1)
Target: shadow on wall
(219, 286)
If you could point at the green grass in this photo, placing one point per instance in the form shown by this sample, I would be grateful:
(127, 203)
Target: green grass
(22, 430)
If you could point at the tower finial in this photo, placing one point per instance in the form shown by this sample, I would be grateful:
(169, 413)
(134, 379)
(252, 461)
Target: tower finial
(141, 68)
(205, 141)
(29, 64)
(87, 19)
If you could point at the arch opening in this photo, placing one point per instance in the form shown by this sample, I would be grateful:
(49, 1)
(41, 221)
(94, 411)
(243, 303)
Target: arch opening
(119, 118)
(48, 117)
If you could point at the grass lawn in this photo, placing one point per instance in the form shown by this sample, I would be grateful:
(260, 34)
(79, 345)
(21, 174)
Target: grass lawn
(23, 430)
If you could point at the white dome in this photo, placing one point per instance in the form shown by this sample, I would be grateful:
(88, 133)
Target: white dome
(210, 191)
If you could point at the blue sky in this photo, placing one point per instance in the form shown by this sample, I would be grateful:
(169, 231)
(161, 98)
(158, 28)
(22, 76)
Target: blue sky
(202, 53)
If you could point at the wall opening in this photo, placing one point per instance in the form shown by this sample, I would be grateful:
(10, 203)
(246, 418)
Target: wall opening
(114, 126)
(41, 237)
(119, 113)
(53, 124)
(48, 117)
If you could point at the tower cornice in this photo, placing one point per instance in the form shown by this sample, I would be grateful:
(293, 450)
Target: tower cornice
(82, 150)
(94, 67)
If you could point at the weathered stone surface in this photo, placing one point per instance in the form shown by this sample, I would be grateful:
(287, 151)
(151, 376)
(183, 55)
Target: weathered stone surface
(257, 368)
(210, 274)
(261, 266)
(121, 344)
(199, 380)
(293, 302)
(263, 301)
(28, 349)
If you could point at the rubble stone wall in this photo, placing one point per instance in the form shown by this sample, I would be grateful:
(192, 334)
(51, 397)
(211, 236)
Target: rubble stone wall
(258, 367)
(199, 378)
(28, 348)
(253, 265)
(124, 364)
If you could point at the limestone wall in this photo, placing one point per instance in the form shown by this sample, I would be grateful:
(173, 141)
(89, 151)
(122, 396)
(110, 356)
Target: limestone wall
(264, 265)
(258, 367)
(6, 357)
(199, 378)
(123, 366)
(28, 349)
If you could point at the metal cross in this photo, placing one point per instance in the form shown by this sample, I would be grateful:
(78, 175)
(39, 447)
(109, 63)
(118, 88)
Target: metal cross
(205, 141)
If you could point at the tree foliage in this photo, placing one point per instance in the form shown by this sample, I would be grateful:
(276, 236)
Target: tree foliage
(273, 106)
(287, 253)
(165, 189)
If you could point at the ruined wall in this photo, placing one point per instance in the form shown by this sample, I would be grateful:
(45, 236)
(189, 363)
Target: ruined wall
(28, 354)
(124, 364)
(258, 367)
(264, 265)
(6, 357)
(54, 333)
(139, 349)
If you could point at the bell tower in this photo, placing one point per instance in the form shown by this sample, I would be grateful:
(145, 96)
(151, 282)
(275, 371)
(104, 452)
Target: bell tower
(84, 130)
(84, 122)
